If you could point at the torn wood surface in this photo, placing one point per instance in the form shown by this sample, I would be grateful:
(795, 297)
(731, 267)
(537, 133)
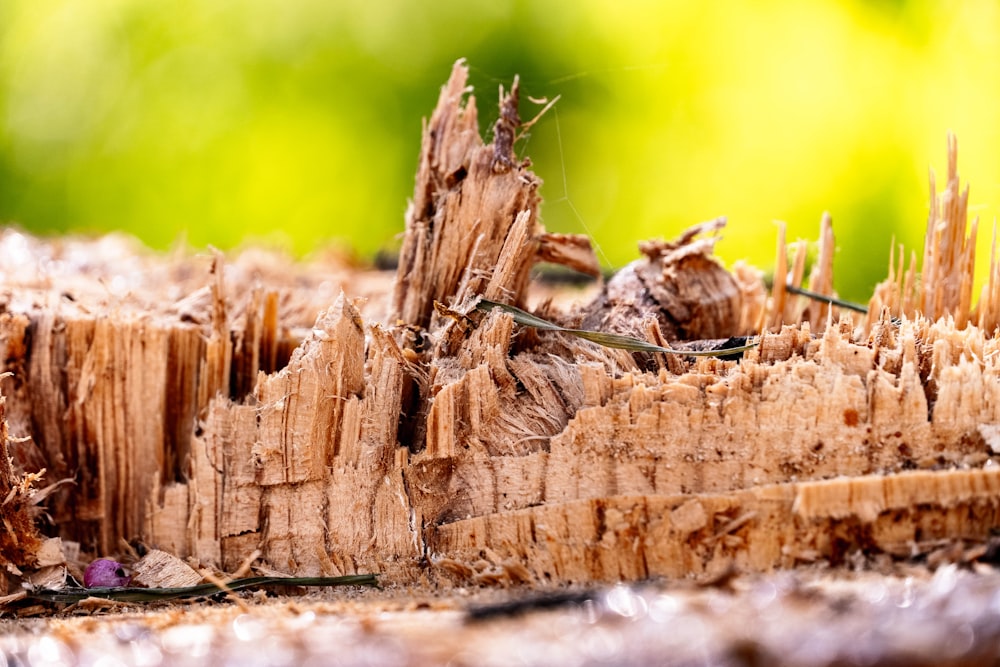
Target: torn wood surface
(21, 545)
(222, 409)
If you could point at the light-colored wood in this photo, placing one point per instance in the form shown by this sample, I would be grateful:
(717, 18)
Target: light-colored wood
(160, 569)
(633, 537)
(945, 284)
(219, 408)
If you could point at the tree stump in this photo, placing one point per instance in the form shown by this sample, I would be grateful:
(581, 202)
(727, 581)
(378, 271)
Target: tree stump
(318, 419)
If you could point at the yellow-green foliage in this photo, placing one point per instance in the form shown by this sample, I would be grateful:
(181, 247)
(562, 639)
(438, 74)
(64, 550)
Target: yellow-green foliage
(300, 119)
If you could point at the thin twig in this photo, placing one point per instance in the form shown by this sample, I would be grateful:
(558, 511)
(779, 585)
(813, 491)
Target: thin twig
(832, 300)
(128, 594)
(244, 568)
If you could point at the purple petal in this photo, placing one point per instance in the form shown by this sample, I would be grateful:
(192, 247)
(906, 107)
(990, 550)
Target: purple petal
(105, 573)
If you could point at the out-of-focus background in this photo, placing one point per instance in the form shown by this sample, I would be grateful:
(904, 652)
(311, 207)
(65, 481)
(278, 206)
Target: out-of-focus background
(297, 122)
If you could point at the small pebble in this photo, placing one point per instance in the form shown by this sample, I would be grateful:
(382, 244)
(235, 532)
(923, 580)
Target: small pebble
(105, 573)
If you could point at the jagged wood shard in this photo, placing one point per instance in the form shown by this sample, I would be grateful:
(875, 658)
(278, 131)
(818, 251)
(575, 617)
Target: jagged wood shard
(249, 409)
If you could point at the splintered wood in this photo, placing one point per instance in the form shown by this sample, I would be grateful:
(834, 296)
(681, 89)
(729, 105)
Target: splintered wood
(216, 410)
(20, 541)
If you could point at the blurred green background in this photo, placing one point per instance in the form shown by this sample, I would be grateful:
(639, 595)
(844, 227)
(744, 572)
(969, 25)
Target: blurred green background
(297, 122)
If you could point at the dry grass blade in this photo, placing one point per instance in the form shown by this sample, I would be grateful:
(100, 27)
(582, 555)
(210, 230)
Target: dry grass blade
(602, 338)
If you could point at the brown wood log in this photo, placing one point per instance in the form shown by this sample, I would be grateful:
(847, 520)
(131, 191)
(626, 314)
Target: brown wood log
(222, 410)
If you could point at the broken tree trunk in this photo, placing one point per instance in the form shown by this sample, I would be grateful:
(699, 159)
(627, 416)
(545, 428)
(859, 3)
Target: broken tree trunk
(233, 410)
